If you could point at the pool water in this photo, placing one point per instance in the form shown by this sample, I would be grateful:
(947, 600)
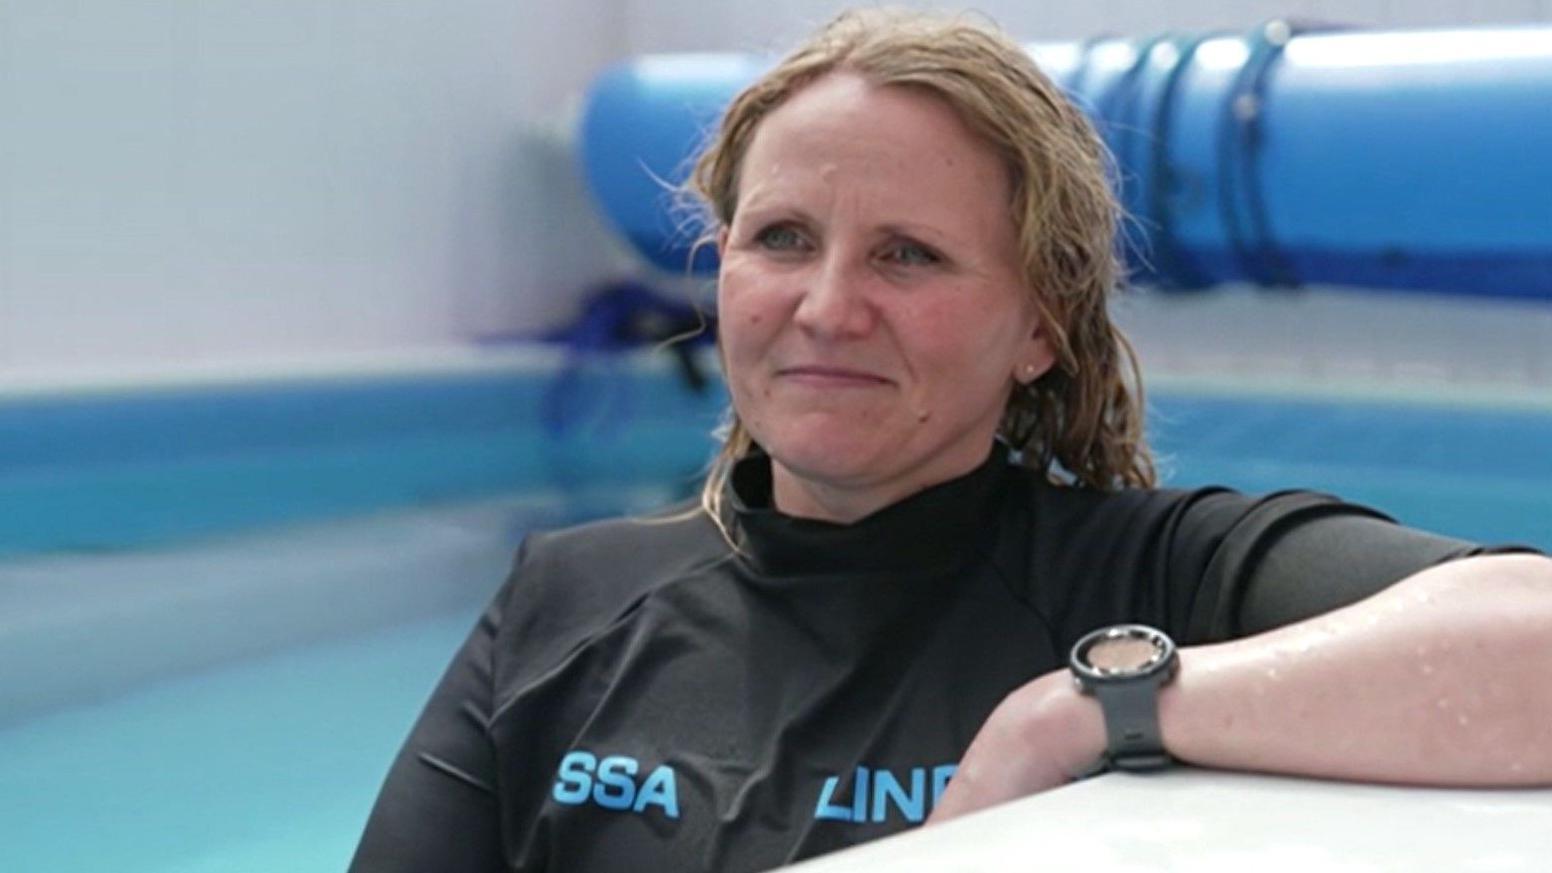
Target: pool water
(1478, 473)
(270, 761)
(269, 765)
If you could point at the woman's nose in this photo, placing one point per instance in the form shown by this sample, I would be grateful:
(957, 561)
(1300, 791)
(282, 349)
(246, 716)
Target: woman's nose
(834, 303)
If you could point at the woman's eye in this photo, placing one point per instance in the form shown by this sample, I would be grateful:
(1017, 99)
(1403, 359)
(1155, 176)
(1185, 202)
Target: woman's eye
(779, 238)
(912, 255)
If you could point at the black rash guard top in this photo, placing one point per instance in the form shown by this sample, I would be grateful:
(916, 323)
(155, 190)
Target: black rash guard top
(639, 696)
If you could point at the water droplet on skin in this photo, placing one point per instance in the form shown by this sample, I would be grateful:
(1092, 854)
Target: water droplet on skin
(1443, 703)
(1517, 767)
(1462, 720)
(1427, 669)
(1271, 673)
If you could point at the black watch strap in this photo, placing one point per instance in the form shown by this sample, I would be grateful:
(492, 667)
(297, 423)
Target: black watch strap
(1133, 738)
(1123, 666)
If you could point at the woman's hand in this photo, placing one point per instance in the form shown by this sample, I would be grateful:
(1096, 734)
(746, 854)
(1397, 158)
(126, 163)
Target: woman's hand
(1043, 735)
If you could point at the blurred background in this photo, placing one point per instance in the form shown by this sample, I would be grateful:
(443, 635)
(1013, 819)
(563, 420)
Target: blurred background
(308, 311)
(198, 184)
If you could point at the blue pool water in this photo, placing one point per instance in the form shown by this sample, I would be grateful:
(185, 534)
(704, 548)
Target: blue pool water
(262, 766)
(266, 757)
(1478, 473)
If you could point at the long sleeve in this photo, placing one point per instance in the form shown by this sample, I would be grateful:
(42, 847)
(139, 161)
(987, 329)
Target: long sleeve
(438, 809)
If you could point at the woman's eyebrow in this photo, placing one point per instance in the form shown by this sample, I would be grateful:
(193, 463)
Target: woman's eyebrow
(761, 210)
(922, 232)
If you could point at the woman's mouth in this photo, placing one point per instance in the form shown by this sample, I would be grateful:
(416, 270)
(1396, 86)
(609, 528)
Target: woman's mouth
(824, 376)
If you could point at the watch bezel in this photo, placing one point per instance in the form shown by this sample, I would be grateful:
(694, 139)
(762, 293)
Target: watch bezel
(1163, 659)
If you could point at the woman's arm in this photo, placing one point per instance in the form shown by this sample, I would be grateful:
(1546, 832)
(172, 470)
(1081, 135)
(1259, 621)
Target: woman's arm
(1445, 678)
(438, 808)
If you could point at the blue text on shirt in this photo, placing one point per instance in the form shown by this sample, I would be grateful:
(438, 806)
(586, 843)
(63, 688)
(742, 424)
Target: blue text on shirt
(875, 791)
(611, 784)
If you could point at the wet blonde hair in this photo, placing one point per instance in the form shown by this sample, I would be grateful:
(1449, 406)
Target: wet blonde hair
(1081, 422)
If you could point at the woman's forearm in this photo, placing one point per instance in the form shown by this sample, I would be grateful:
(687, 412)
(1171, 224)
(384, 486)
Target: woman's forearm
(1445, 678)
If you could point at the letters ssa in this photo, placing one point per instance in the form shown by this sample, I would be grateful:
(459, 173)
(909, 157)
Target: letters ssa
(611, 783)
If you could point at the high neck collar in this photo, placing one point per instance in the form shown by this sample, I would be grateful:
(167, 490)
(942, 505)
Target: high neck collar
(934, 529)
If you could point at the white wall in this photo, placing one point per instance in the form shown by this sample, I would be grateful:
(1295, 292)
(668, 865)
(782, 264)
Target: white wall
(185, 183)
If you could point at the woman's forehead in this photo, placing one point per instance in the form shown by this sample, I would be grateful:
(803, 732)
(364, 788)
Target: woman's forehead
(844, 131)
(892, 122)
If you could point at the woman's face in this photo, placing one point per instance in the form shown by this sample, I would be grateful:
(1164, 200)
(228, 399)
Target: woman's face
(873, 313)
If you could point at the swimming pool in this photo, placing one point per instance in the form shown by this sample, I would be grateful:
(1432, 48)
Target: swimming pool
(267, 764)
(306, 652)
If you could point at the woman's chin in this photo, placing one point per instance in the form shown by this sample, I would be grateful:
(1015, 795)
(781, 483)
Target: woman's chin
(835, 464)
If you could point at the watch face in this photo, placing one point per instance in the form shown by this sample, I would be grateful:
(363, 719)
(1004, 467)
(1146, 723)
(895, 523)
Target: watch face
(1123, 654)
(1122, 651)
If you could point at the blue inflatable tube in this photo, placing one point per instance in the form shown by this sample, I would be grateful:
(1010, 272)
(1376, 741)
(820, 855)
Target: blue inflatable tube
(1412, 160)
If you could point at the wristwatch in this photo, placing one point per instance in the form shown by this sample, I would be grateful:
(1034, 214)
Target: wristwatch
(1123, 666)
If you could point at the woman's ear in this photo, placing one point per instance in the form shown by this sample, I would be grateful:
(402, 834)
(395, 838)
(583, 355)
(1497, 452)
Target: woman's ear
(1034, 358)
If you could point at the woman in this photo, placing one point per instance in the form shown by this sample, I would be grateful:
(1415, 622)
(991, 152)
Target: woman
(933, 485)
